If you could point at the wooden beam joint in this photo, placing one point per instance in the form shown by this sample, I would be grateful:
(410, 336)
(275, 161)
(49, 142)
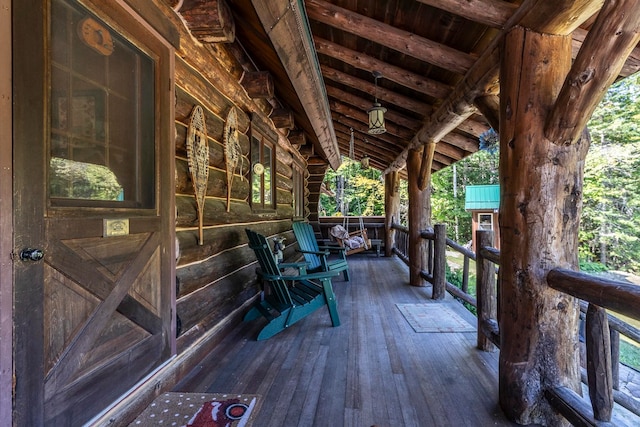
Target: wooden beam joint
(210, 21)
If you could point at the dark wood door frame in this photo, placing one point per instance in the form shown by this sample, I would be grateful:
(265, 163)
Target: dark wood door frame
(6, 215)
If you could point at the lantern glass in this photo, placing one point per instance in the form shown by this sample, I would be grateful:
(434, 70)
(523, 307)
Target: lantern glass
(376, 119)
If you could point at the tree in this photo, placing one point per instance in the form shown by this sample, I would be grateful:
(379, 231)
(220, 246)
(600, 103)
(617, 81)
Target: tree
(360, 192)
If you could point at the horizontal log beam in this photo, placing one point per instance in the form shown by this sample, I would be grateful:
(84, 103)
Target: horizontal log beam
(384, 95)
(493, 13)
(609, 42)
(620, 297)
(386, 35)
(559, 17)
(258, 84)
(365, 104)
(390, 72)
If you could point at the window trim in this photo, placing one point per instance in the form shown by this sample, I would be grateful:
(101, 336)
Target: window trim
(298, 187)
(264, 138)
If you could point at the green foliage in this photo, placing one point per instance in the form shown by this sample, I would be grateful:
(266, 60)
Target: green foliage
(592, 267)
(81, 180)
(611, 201)
(448, 205)
(360, 192)
(630, 354)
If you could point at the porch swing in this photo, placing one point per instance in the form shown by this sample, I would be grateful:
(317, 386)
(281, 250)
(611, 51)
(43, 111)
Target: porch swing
(355, 241)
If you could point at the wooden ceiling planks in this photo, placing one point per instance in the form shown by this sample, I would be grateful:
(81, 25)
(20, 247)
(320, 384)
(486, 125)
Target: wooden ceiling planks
(439, 63)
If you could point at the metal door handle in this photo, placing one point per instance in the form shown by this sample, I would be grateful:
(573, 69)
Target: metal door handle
(29, 254)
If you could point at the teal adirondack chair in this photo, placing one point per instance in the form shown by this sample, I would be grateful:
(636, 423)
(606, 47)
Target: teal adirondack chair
(318, 257)
(291, 298)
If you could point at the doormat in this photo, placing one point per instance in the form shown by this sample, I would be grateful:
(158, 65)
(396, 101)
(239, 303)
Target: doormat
(434, 318)
(200, 410)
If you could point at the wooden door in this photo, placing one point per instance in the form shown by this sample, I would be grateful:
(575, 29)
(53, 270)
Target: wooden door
(95, 289)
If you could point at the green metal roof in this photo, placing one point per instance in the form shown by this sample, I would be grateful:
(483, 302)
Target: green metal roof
(482, 197)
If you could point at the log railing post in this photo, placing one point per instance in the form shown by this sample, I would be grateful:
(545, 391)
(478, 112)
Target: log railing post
(439, 262)
(599, 375)
(485, 288)
(391, 207)
(614, 338)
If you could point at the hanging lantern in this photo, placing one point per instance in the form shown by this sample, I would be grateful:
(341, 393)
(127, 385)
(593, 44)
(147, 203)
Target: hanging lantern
(376, 112)
(364, 162)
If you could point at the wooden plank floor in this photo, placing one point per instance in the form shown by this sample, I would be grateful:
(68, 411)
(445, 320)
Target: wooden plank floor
(372, 370)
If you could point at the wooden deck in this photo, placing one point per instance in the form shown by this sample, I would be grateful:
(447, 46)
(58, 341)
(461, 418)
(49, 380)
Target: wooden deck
(372, 370)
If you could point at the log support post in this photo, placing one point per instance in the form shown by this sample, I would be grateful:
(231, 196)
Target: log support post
(541, 188)
(418, 219)
(391, 209)
(485, 289)
(439, 262)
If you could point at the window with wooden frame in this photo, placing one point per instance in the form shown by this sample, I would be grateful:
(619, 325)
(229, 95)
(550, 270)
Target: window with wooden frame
(485, 221)
(102, 146)
(262, 170)
(298, 191)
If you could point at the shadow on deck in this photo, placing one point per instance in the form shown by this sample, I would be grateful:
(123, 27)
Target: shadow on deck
(372, 370)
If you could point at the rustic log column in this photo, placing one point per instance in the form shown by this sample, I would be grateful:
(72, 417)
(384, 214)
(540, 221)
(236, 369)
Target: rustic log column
(391, 207)
(418, 219)
(541, 187)
(485, 289)
(439, 262)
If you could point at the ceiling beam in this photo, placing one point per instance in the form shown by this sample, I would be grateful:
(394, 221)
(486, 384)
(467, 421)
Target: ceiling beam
(363, 117)
(390, 72)
(383, 94)
(405, 42)
(364, 105)
(493, 13)
(383, 139)
(558, 17)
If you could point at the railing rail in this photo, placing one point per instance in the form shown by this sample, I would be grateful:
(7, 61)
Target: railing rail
(601, 330)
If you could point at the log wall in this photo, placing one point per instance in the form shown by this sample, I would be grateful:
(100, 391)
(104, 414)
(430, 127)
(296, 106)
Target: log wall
(217, 277)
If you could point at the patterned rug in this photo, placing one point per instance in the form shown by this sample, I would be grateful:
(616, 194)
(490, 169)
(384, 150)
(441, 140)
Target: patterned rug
(200, 410)
(434, 317)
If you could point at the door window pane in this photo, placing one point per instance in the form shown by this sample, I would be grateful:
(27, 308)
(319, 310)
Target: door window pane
(102, 114)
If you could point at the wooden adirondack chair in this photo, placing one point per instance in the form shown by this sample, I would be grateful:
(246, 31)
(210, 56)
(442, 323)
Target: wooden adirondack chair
(317, 257)
(291, 298)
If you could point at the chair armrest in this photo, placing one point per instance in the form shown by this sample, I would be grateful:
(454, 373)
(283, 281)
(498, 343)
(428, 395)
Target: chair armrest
(300, 266)
(333, 248)
(321, 253)
(318, 275)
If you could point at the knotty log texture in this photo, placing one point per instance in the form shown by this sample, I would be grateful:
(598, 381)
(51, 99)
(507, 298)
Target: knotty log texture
(258, 84)
(620, 297)
(602, 55)
(419, 216)
(599, 374)
(424, 178)
(210, 21)
(558, 17)
(541, 187)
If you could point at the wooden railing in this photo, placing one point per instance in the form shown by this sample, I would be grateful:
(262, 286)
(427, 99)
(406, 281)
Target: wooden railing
(602, 330)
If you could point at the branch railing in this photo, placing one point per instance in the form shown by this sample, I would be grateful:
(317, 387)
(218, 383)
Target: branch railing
(601, 329)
